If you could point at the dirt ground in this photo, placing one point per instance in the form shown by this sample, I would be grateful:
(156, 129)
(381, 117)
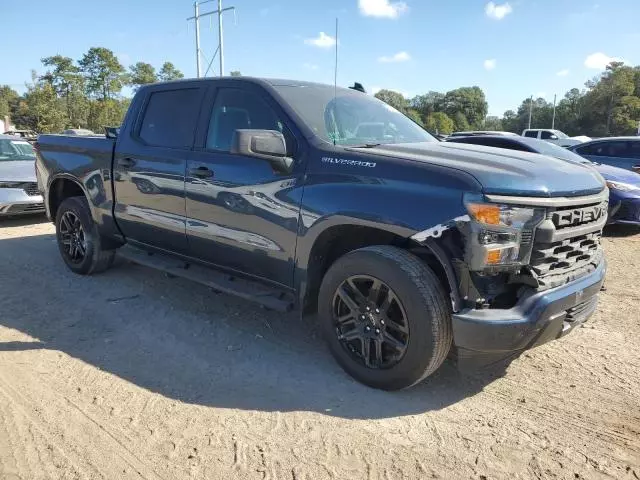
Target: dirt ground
(131, 375)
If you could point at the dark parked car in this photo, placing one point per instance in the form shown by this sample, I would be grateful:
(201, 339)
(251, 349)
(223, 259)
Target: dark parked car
(19, 193)
(624, 186)
(621, 152)
(329, 200)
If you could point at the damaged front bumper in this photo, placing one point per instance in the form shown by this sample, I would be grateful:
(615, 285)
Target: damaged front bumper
(485, 336)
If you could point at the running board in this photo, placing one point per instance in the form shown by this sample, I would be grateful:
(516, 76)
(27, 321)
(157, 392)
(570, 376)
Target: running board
(270, 298)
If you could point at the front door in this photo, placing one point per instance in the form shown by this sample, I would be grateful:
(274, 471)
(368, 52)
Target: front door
(149, 168)
(241, 214)
(617, 153)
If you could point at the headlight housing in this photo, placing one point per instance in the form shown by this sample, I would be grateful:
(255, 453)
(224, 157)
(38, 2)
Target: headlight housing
(622, 187)
(500, 235)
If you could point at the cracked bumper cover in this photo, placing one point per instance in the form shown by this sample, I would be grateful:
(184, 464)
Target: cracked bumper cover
(482, 337)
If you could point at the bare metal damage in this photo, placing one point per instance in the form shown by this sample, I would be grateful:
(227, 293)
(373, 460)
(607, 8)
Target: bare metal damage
(437, 230)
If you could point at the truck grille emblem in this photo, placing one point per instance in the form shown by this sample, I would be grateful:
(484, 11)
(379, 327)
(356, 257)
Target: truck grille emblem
(579, 216)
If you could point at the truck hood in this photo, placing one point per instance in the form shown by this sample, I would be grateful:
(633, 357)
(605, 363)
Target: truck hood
(501, 171)
(617, 174)
(18, 171)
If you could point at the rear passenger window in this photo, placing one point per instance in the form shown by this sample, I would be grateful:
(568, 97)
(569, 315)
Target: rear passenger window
(170, 118)
(635, 148)
(545, 135)
(531, 134)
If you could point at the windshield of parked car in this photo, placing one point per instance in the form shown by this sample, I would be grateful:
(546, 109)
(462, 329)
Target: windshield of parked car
(351, 117)
(15, 150)
(560, 134)
(552, 150)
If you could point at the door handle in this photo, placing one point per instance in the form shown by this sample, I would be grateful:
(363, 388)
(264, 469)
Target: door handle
(126, 162)
(201, 172)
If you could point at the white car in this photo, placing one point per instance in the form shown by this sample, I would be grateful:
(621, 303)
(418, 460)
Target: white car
(554, 136)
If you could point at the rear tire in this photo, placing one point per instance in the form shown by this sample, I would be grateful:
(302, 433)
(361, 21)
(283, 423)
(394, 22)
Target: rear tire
(408, 329)
(79, 243)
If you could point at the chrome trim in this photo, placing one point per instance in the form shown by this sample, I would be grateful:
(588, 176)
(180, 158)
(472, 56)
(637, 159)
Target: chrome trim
(550, 202)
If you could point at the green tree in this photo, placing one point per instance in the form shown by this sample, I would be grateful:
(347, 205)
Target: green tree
(439, 122)
(470, 101)
(429, 103)
(493, 123)
(415, 116)
(395, 99)
(8, 100)
(169, 72)
(65, 77)
(510, 121)
(235, 73)
(43, 111)
(104, 74)
(142, 74)
(460, 122)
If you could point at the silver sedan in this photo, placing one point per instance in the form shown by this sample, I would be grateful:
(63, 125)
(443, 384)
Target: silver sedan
(19, 192)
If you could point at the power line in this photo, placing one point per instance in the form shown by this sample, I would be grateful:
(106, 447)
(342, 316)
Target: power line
(220, 49)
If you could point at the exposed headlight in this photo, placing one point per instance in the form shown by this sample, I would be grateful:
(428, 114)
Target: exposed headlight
(621, 186)
(500, 234)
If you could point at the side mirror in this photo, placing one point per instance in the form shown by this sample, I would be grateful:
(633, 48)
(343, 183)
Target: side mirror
(268, 145)
(111, 132)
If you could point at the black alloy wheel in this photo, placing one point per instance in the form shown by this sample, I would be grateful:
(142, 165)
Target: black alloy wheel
(74, 243)
(370, 321)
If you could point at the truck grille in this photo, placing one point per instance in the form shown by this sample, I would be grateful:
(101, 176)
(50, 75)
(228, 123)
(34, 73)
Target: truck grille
(567, 244)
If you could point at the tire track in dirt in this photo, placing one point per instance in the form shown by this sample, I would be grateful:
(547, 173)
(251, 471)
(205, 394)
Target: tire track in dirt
(72, 422)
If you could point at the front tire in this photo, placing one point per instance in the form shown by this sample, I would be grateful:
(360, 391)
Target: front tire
(79, 243)
(385, 317)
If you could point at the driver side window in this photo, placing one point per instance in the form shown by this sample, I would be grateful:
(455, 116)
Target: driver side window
(236, 109)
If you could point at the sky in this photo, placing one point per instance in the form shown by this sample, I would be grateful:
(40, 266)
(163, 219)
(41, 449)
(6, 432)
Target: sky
(510, 49)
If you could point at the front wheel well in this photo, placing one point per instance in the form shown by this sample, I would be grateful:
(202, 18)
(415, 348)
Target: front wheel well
(60, 190)
(342, 239)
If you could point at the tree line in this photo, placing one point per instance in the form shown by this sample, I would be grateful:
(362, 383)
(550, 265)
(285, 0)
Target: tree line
(86, 93)
(608, 105)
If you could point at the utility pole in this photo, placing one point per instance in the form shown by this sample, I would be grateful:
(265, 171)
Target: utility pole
(197, 17)
(530, 110)
(553, 120)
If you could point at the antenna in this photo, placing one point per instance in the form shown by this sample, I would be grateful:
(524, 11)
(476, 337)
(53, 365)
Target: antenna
(335, 78)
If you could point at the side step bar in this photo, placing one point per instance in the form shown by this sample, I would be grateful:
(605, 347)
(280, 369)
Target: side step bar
(270, 298)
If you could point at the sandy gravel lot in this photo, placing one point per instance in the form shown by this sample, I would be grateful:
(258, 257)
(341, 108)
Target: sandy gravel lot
(131, 375)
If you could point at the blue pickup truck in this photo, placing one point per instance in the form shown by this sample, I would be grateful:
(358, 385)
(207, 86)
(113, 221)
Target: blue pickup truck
(299, 195)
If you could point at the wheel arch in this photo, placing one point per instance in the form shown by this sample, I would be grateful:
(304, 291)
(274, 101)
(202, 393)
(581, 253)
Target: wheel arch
(62, 187)
(341, 237)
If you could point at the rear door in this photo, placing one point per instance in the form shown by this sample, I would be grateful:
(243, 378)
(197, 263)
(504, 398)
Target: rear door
(150, 163)
(241, 214)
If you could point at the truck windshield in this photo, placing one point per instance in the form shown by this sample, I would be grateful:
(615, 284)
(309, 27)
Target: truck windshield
(351, 117)
(15, 150)
(560, 134)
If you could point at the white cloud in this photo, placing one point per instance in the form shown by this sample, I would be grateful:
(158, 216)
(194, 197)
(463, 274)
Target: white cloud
(374, 90)
(382, 8)
(310, 66)
(398, 57)
(599, 61)
(490, 64)
(540, 95)
(497, 12)
(322, 40)
(563, 73)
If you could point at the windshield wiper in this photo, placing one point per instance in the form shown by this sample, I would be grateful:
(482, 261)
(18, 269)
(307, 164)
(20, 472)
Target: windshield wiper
(366, 145)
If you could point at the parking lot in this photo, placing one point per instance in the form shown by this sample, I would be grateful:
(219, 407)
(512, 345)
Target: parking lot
(131, 374)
